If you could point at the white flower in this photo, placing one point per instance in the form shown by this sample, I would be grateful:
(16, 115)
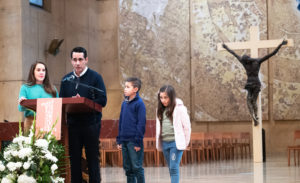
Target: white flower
(49, 138)
(19, 139)
(26, 165)
(27, 140)
(2, 167)
(25, 152)
(50, 157)
(10, 178)
(13, 166)
(20, 158)
(30, 134)
(45, 151)
(57, 180)
(18, 164)
(25, 179)
(6, 180)
(15, 153)
(7, 154)
(53, 168)
(42, 143)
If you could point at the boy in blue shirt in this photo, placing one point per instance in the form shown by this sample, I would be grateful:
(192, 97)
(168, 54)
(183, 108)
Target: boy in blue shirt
(132, 124)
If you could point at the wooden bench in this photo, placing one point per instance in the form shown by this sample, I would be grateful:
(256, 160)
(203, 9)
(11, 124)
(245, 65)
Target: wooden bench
(8, 131)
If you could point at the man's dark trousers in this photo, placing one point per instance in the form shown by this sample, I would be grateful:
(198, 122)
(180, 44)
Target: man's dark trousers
(87, 136)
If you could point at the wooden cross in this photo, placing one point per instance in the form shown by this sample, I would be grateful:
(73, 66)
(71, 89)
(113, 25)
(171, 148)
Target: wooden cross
(254, 44)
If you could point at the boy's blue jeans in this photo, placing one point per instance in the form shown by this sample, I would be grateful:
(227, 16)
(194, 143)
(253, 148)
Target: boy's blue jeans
(133, 163)
(173, 158)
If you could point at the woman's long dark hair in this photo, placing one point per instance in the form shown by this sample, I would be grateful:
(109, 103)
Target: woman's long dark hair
(170, 108)
(48, 87)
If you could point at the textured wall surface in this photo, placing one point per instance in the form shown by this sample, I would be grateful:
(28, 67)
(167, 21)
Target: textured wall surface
(94, 25)
(154, 46)
(218, 78)
(39, 28)
(284, 22)
(11, 62)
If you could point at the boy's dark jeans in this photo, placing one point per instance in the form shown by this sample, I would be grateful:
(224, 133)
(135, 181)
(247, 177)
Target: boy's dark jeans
(133, 163)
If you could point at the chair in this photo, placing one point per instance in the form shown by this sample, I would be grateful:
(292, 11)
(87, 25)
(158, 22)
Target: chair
(8, 131)
(160, 158)
(244, 143)
(197, 147)
(208, 146)
(295, 147)
(218, 145)
(228, 145)
(109, 145)
(186, 154)
(237, 144)
(150, 155)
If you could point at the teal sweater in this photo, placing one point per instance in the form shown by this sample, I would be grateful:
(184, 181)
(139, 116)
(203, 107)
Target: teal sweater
(32, 92)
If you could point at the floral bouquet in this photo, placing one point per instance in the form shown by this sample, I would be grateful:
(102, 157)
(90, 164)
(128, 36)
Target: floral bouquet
(32, 158)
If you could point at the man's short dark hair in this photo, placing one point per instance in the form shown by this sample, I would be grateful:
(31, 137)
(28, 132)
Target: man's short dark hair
(79, 50)
(136, 82)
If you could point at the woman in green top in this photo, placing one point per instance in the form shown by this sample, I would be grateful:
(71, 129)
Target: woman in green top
(38, 85)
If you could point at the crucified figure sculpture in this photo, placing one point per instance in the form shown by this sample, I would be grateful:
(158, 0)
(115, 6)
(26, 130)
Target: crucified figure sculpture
(252, 67)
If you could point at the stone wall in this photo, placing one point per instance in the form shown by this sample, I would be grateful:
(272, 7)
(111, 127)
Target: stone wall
(154, 45)
(11, 62)
(94, 25)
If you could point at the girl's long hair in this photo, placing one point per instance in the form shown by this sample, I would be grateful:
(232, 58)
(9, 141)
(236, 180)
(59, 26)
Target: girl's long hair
(170, 108)
(48, 87)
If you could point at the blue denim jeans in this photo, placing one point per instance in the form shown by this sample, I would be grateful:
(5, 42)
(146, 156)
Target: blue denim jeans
(133, 163)
(173, 157)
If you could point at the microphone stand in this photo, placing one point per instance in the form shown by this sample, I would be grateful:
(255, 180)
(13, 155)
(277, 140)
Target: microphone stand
(86, 86)
(92, 90)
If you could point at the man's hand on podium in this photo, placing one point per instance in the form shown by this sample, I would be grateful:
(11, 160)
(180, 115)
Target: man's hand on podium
(77, 96)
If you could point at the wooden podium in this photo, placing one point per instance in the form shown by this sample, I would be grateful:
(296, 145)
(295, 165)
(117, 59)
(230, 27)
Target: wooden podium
(69, 105)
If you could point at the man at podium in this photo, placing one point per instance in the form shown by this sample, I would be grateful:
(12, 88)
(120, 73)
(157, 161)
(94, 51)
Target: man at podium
(84, 129)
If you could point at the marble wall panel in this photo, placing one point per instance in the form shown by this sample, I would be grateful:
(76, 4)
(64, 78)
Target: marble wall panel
(279, 136)
(11, 62)
(9, 93)
(30, 40)
(10, 41)
(103, 41)
(56, 63)
(76, 27)
(39, 28)
(94, 25)
(113, 106)
(284, 22)
(154, 46)
(218, 79)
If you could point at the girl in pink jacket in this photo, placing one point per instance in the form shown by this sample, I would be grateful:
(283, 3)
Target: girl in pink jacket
(173, 129)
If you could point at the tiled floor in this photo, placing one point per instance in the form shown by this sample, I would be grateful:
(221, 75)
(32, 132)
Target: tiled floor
(275, 170)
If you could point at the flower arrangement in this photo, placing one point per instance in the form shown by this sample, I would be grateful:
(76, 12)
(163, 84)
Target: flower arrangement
(32, 158)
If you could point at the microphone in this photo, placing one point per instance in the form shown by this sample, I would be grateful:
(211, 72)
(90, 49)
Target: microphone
(72, 77)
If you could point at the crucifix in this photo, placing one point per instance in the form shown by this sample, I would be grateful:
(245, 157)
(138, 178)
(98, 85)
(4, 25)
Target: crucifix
(253, 83)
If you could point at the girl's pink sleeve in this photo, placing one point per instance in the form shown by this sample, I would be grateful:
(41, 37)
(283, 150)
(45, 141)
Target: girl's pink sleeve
(186, 124)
